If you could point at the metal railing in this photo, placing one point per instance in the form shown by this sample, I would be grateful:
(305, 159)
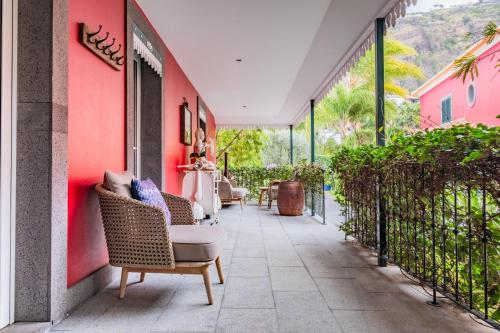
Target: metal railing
(442, 228)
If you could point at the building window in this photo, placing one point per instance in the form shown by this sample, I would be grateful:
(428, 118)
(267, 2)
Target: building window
(446, 110)
(471, 94)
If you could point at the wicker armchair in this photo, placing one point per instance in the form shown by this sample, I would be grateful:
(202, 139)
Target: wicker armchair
(138, 239)
(229, 193)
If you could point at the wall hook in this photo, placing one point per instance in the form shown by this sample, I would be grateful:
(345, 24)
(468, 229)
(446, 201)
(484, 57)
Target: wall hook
(100, 41)
(97, 44)
(107, 49)
(92, 34)
(112, 53)
(118, 62)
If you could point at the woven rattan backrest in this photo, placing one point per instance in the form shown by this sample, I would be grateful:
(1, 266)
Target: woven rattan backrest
(180, 208)
(136, 233)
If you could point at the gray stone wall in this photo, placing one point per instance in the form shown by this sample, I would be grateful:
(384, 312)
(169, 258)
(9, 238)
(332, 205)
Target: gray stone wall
(41, 127)
(41, 292)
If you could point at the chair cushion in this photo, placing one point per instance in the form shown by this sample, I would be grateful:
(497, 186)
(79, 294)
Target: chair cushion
(118, 182)
(239, 192)
(147, 192)
(196, 242)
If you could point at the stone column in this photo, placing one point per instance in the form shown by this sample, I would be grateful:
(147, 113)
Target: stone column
(42, 127)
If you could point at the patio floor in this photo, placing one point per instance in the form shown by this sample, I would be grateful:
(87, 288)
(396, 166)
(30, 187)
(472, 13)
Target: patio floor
(284, 274)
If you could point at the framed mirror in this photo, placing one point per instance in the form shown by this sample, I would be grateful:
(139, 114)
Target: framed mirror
(186, 125)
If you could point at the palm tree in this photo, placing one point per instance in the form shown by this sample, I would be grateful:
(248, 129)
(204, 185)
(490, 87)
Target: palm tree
(466, 65)
(349, 109)
(345, 110)
(395, 68)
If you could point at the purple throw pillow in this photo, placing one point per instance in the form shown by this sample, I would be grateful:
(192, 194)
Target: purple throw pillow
(147, 192)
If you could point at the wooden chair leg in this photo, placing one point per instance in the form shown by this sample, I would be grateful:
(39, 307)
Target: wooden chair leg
(208, 285)
(261, 196)
(218, 263)
(123, 282)
(241, 203)
(143, 275)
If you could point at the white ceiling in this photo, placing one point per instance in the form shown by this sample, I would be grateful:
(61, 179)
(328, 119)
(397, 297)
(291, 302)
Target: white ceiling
(288, 49)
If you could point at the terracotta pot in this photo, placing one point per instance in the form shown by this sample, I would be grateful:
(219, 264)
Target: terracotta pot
(290, 198)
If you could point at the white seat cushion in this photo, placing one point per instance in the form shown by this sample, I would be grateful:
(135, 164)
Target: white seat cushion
(239, 192)
(196, 242)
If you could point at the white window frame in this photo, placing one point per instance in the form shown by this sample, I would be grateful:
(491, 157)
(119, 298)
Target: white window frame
(450, 97)
(8, 160)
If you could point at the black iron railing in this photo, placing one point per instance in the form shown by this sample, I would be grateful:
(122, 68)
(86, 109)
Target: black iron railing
(443, 228)
(315, 198)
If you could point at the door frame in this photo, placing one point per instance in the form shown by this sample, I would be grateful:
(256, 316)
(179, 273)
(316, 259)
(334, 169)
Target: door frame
(137, 114)
(8, 160)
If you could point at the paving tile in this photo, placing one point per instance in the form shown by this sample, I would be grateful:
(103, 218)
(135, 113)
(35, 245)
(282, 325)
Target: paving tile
(299, 300)
(308, 251)
(326, 267)
(193, 291)
(156, 291)
(249, 252)
(243, 292)
(126, 319)
(366, 321)
(248, 267)
(188, 310)
(89, 312)
(276, 244)
(283, 258)
(291, 279)
(24, 327)
(226, 257)
(188, 318)
(300, 238)
(345, 294)
(372, 279)
(307, 320)
(247, 320)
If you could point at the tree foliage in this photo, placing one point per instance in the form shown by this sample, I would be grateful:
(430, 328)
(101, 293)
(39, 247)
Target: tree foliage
(245, 151)
(467, 64)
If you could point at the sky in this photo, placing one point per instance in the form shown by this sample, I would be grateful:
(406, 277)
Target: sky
(426, 5)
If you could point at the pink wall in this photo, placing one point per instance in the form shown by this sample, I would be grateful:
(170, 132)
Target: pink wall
(96, 129)
(487, 105)
(96, 132)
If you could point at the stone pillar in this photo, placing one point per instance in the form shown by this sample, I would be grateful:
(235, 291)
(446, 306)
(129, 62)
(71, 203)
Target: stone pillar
(41, 181)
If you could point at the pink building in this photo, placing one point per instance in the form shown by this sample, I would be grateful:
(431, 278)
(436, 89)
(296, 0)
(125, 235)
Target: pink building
(446, 100)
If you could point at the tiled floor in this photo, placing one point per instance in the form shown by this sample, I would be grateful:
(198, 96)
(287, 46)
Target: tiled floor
(284, 274)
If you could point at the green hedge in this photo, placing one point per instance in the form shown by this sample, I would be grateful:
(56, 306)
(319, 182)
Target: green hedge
(426, 182)
(253, 178)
